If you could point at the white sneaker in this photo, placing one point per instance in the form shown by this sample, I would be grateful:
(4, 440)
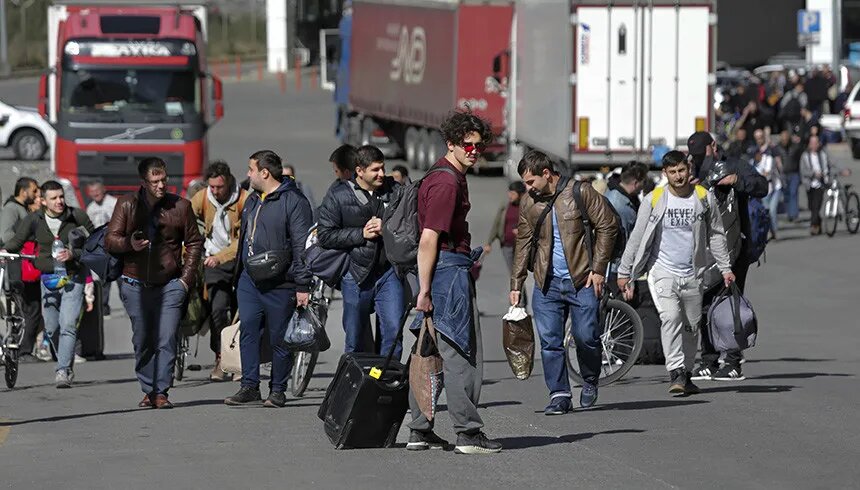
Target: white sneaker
(63, 379)
(43, 354)
(80, 359)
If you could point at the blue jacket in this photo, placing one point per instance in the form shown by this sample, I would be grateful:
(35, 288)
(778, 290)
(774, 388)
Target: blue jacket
(452, 298)
(283, 223)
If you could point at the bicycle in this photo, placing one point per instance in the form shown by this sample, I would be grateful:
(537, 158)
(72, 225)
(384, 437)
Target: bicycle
(10, 312)
(841, 202)
(622, 340)
(304, 362)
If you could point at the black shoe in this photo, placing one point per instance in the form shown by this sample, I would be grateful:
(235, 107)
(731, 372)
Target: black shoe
(277, 399)
(704, 371)
(729, 373)
(559, 405)
(244, 396)
(678, 381)
(690, 388)
(588, 396)
(476, 444)
(419, 441)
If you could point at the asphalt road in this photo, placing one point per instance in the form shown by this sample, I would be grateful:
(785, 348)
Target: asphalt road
(791, 424)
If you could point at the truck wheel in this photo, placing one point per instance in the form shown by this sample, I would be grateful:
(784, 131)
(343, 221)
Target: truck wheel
(354, 134)
(435, 148)
(423, 157)
(367, 127)
(410, 141)
(29, 144)
(855, 148)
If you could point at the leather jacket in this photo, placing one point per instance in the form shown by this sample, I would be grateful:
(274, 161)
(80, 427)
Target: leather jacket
(175, 227)
(603, 222)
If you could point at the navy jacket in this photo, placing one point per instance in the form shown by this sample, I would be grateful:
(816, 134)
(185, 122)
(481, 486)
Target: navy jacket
(283, 223)
(343, 215)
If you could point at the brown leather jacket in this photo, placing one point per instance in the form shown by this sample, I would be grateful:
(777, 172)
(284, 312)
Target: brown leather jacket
(162, 261)
(603, 221)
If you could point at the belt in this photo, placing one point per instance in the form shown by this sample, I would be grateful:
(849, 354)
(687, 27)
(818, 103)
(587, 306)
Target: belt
(137, 282)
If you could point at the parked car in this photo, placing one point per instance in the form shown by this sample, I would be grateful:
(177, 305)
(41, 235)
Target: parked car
(851, 120)
(24, 131)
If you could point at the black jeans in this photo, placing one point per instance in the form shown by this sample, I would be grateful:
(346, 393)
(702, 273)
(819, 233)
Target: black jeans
(710, 355)
(219, 302)
(816, 197)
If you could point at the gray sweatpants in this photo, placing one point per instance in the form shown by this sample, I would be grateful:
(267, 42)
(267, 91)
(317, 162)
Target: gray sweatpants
(463, 377)
(679, 302)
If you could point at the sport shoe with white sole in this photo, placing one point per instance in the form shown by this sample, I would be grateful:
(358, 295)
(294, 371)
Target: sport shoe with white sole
(419, 441)
(729, 373)
(476, 444)
(704, 372)
(63, 379)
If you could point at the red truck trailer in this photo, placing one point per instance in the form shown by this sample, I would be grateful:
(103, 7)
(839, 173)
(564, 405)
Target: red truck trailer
(408, 64)
(127, 81)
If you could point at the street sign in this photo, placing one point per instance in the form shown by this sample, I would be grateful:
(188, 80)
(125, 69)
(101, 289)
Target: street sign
(808, 27)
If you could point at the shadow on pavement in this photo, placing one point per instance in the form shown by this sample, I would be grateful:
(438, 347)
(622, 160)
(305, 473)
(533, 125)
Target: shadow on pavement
(61, 418)
(508, 403)
(799, 375)
(647, 404)
(79, 384)
(788, 359)
(527, 442)
(742, 388)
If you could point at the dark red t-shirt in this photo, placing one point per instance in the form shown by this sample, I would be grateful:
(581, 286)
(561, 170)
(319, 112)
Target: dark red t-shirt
(512, 219)
(443, 204)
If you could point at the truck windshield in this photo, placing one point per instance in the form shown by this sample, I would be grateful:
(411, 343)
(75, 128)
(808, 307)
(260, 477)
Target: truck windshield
(129, 95)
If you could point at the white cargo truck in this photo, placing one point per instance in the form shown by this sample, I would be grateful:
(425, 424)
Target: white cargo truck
(600, 83)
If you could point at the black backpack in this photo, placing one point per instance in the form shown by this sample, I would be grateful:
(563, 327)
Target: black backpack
(620, 235)
(96, 257)
(400, 232)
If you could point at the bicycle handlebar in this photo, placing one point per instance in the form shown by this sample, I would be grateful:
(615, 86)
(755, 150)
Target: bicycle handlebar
(10, 256)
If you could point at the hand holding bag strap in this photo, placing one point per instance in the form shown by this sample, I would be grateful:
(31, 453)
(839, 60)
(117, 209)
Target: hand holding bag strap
(735, 302)
(539, 224)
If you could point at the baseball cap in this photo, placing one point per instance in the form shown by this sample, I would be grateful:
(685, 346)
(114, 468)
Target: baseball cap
(698, 142)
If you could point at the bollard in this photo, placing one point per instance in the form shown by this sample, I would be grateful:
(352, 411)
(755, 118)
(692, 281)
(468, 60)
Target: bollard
(238, 69)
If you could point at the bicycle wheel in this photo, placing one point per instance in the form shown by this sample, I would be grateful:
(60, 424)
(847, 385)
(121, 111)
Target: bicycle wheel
(621, 340)
(10, 360)
(303, 368)
(830, 210)
(182, 344)
(852, 212)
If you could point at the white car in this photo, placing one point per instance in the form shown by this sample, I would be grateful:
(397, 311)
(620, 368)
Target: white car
(851, 121)
(24, 131)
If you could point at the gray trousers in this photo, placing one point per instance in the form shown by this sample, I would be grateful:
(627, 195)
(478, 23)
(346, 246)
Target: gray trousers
(679, 302)
(463, 377)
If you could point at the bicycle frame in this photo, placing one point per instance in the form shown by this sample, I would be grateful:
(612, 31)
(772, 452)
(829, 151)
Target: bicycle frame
(832, 200)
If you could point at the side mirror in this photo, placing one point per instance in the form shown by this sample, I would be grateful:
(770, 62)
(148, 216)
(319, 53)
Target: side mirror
(218, 97)
(43, 95)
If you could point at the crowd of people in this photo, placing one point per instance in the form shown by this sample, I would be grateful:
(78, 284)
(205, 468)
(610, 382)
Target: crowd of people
(690, 237)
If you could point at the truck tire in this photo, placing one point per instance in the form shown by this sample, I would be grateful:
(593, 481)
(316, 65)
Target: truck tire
(424, 162)
(435, 148)
(855, 148)
(353, 136)
(29, 144)
(367, 127)
(410, 143)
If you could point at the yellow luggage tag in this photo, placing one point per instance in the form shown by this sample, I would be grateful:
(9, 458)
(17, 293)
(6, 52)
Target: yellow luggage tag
(375, 373)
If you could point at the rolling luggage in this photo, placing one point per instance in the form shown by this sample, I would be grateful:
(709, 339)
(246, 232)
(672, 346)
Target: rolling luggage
(366, 401)
(91, 331)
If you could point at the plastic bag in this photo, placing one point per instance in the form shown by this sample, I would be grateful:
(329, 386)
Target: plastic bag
(425, 370)
(518, 341)
(306, 332)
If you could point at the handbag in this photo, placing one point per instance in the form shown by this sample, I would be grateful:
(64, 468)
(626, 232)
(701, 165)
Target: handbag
(426, 379)
(29, 272)
(329, 265)
(269, 266)
(732, 323)
(306, 332)
(231, 358)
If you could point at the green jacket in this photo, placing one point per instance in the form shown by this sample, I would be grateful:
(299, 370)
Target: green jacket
(34, 227)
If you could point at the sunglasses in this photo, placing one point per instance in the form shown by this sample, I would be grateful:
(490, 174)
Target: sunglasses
(474, 147)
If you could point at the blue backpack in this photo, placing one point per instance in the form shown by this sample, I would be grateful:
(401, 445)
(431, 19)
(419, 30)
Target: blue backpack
(96, 257)
(759, 229)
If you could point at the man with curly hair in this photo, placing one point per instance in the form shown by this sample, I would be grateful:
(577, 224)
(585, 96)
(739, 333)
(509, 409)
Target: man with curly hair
(447, 289)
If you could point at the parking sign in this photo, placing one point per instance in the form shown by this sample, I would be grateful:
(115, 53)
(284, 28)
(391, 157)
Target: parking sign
(808, 27)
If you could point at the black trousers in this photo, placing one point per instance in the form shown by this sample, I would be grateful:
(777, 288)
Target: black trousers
(220, 301)
(816, 198)
(710, 355)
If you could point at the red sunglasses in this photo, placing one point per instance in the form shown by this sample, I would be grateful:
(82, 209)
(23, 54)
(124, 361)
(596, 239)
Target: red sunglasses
(474, 147)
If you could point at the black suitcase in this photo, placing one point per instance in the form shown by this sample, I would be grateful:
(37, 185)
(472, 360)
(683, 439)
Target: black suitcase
(652, 345)
(91, 331)
(360, 411)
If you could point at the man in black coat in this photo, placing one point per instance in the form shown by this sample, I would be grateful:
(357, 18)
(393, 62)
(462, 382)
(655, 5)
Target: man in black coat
(350, 219)
(738, 182)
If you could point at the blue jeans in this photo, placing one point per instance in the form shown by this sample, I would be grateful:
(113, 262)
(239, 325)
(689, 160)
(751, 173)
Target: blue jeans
(60, 310)
(771, 202)
(551, 311)
(790, 191)
(385, 296)
(273, 309)
(155, 312)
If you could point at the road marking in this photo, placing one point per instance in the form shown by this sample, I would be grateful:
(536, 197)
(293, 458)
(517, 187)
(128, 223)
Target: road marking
(4, 432)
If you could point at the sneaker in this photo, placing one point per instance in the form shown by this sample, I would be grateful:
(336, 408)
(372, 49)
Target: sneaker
(558, 405)
(588, 396)
(678, 383)
(704, 371)
(276, 399)
(80, 359)
(729, 373)
(476, 444)
(43, 354)
(690, 388)
(419, 441)
(244, 396)
(63, 379)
